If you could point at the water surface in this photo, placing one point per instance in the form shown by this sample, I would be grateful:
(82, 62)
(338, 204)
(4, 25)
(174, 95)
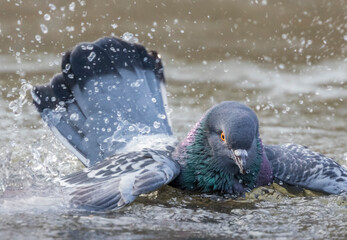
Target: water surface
(285, 59)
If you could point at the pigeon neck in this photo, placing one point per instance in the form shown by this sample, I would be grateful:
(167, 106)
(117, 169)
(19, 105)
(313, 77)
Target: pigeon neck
(194, 154)
(201, 171)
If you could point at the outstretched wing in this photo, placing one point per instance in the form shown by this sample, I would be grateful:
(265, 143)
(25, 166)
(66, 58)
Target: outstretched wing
(117, 181)
(298, 165)
(108, 92)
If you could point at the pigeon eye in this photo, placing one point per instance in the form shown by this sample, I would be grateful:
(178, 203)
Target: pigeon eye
(222, 136)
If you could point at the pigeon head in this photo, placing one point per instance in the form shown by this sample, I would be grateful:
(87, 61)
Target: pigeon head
(223, 152)
(231, 132)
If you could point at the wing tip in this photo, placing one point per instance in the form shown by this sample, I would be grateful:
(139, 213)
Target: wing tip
(158, 65)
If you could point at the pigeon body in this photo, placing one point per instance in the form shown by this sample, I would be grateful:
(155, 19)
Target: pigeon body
(108, 107)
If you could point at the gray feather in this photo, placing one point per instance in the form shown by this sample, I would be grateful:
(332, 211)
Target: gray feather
(117, 181)
(298, 165)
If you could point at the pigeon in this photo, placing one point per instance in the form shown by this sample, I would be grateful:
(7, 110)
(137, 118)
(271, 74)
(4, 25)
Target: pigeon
(109, 107)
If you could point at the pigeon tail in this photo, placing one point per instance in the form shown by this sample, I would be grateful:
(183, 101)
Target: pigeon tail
(109, 91)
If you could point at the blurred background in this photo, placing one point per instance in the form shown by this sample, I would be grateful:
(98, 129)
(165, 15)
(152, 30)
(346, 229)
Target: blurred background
(285, 59)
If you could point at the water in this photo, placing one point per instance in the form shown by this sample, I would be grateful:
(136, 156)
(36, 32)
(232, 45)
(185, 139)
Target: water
(285, 59)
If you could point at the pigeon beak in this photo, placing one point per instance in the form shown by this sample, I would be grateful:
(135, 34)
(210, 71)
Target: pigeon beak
(240, 157)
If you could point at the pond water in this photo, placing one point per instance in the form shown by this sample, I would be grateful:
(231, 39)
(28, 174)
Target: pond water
(285, 59)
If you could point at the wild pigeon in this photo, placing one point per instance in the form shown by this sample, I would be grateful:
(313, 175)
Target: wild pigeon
(108, 107)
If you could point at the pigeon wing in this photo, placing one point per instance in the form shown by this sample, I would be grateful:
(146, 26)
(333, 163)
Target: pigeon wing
(298, 165)
(118, 180)
(108, 92)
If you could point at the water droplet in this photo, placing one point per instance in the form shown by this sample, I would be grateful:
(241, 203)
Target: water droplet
(71, 76)
(144, 130)
(91, 56)
(72, 6)
(90, 47)
(131, 128)
(156, 124)
(47, 17)
(52, 6)
(69, 137)
(44, 28)
(74, 117)
(264, 2)
(281, 66)
(161, 116)
(114, 25)
(137, 83)
(67, 67)
(70, 28)
(38, 38)
(154, 100)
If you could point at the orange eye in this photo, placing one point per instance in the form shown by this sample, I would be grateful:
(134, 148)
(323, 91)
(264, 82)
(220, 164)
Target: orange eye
(222, 136)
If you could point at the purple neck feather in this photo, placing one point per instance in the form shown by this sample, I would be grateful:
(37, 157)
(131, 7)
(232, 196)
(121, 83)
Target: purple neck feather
(180, 152)
(265, 175)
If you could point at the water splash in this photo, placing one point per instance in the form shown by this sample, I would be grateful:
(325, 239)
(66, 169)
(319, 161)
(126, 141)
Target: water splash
(127, 36)
(17, 105)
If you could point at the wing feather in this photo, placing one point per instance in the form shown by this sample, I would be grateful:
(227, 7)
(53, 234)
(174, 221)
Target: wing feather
(298, 165)
(117, 181)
